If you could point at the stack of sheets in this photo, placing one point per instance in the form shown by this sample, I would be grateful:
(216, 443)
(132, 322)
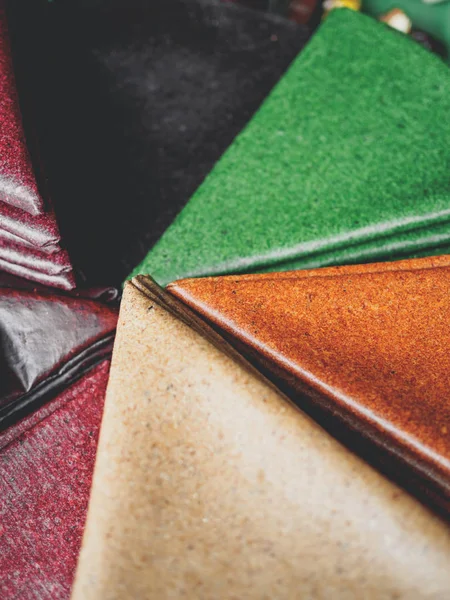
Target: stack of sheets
(48, 341)
(29, 236)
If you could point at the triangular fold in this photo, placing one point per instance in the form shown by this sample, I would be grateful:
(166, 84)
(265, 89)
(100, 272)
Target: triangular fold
(344, 151)
(45, 338)
(210, 484)
(369, 344)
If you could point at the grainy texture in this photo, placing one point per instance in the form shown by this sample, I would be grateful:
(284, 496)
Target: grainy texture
(40, 230)
(32, 248)
(63, 281)
(50, 263)
(17, 181)
(351, 147)
(159, 89)
(22, 210)
(209, 484)
(45, 479)
(47, 341)
(369, 343)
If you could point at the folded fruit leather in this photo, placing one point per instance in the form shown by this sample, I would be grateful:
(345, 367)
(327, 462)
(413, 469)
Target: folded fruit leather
(40, 231)
(47, 342)
(18, 185)
(48, 262)
(47, 461)
(425, 241)
(363, 345)
(22, 210)
(135, 107)
(51, 267)
(63, 281)
(7, 238)
(209, 484)
(30, 248)
(351, 147)
(21, 255)
(107, 295)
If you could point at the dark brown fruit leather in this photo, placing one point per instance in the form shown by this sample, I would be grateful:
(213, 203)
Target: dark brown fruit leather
(46, 342)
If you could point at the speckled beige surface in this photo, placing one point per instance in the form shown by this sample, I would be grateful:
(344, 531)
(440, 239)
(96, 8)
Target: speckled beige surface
(210, 485)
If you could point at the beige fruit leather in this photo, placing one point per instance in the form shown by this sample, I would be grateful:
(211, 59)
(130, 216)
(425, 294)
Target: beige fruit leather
(210, 485)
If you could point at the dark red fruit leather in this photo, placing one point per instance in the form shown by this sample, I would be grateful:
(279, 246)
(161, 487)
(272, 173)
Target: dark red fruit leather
(52, 263)
(133, 102)
(106, 294)
(17, 181)
(40, 231)
(63, 281)
(23, 215)
(46, 342)
(46, 464)
(7, 238)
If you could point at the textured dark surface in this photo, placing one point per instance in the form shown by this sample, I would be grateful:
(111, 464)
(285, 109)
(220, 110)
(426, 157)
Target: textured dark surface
(46, 464)
(368, 344)
(134, 101)
(46, 342)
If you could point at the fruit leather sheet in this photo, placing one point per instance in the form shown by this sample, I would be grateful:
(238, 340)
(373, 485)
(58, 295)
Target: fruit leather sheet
(46, 463)
(209, 484)
(366, 344)
(18, 185)
(23, 213)
(134, 102)
(47, 342)
(351, 147)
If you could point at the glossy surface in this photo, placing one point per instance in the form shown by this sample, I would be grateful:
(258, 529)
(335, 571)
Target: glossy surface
(48, 265)
(17, 181)
(46, 465)
(209, 484)
(7, 238)
(29, 229)
(351, 147)
(136, 106)
(41, 231)
(63, 281)
(369, 344)
(30, 247)
(47, 341)
(52, 263)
